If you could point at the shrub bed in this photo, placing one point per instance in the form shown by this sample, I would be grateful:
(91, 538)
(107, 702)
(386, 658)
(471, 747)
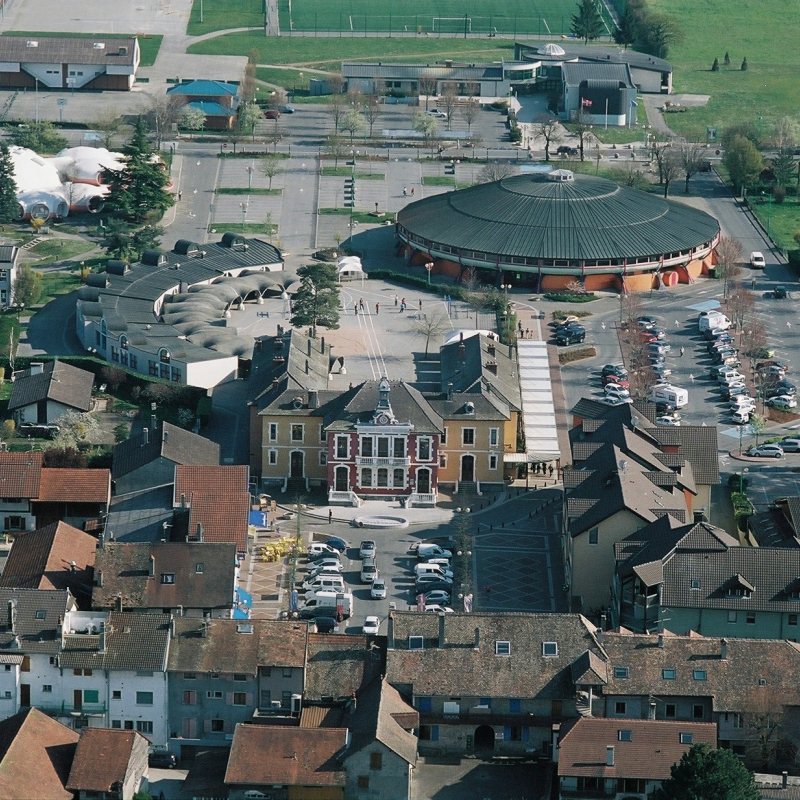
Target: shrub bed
(568, 356)
(574, 312)
(569, 297)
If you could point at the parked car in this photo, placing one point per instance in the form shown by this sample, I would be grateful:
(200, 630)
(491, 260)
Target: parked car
(565, 320)
(790, 445)
(446, 542)
(426, 550)
(437, 609)
(614, 369)
(272, 113)
(329, 571)
(286, 109)
(432, 569)
(372, 625)
(757, 260)
(367, 549)
(741, 417)
(780, 292)
(766, 451)
(566, 150)
(437, 596)
(315, 612)
(433, 581)
(438, 113)
(729, 392)
(326, 624)
(613, 401)
(616, 380)
(337, 544)
(668, 422)
(378, 589)
(783, 402)
(659, 333)
(35, 430)
(612, 390)
(660, 370)
(369, 570)
(781, 388)
(570, 336)
(162, 759)
(319, 550)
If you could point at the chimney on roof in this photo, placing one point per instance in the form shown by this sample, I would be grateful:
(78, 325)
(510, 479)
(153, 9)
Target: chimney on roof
(99, 578)
(37, 367)
(309, 348)
(598, 632)
(172, 628)
(699, 516)
(492, 367)
(661, 640)
(610, 755)
(449, 391)
(101, 644)
(145, 437)
(151, 570)
(322, 345)
(204, 628)
(12, 615)
(491, 348)
(165, 436)
(723, 650)
(651, 711)
(477, 645)
(118, 602)
(280, 330)
(199, 531)
(306, 366)
(72, 566)
(390, 631)
(441, 630)
(313, 398)
(183, 501)
(784, 779)
(153, 422)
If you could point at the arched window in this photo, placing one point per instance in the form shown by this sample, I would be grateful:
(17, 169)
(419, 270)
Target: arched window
(163, 355)
(123, 342)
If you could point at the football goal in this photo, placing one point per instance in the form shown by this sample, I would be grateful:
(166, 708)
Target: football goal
(452, 24)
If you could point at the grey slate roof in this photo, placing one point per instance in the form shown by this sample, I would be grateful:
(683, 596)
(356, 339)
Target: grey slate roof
(590, 52)
(204, 575)
(339, 666)
(413, 72)
(575, 73)
(36, 619)
(167, 441)
(467, 664)
(529, 216)
(732, 683)
(132, 642)
(483, 407)
(67, 49)
(8, 253)
(57, 381)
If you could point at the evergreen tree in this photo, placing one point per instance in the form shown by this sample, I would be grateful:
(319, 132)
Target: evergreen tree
(9, 207)
(715, 65)
(118, 239)
(586, 22)
(139, 188)
(727, 60)
(628, 31)
(27, 287)
(743, 162)
(744, 64)
(317, 300)
(148, 237)
(784, 167)
(705, 774)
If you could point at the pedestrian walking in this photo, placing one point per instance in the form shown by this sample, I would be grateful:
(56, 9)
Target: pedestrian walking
(412, 191)
(180, 195)
(420, 305)
(682, 351)
(403, 302)
(361, 303)
(402, 307)
(377, 308)
(551, 470)
(330, 516)
(405, 192)
(396, 301)
(355, 308)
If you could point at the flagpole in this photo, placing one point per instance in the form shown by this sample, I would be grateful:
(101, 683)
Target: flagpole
(606, 113)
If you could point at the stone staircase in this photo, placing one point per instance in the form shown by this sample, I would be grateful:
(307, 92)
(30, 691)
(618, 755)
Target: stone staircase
(468, 487)
(295, 486)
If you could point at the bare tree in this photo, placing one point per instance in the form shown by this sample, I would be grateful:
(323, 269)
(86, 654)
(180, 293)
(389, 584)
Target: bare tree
(496, 171)
(691, 159)
(581, 127)
(162, 112)
(427, 87)
(753, 338)
(763, 718)
(741, 305)
(449, 100)
(355, 97)
(431, 327)
(108, 125)
(337, 106)
(729, 256)
(670, 167)
(335, 146)
(335, 83)
(372, 110)
(470, 111)
(548, 128)
(271, 165)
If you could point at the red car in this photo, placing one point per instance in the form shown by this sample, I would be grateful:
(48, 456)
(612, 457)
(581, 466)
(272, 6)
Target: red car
(272, 113)
(616, 381)
(648, 337)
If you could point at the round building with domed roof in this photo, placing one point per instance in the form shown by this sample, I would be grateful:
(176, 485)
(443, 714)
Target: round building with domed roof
(547, 230)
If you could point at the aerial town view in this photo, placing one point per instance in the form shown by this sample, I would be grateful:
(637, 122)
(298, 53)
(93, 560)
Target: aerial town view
(399, 402)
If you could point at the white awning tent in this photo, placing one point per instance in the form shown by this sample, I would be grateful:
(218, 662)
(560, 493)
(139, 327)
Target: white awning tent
(349, 267)
(459, 333)
(538, 410)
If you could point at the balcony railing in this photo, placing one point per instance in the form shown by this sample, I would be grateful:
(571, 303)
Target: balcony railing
(61, 709)
(380, 461)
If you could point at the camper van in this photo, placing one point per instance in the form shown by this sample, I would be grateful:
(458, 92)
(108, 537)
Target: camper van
(709, 320)
(666, 393)
(337, 602)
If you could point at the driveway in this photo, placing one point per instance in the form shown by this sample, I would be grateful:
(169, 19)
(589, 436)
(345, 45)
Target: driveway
(471, 779)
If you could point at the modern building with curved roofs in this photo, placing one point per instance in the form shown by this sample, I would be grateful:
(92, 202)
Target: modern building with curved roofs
(549, 229)
(169, 316)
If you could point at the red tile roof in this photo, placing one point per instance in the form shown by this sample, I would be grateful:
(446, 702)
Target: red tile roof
(35, 757)
(224, 517)
(102, 759)
(74, 486)
(20, 474)
(288, 756)
(654, 746)
(42, 559)
(219, 481)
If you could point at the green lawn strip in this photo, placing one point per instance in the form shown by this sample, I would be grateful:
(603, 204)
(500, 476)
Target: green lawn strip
(614, 135)
(366, 217)
(221, 14)
(347, 172)
(247, 227)
(245, 190)
(60, 249)
(781, 219)
(443, 180)
(250, 154)
(56, 283)
(149, 44)
(9, 323)
(287, 78)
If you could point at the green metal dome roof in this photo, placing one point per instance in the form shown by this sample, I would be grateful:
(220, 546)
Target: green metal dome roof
(535, 216)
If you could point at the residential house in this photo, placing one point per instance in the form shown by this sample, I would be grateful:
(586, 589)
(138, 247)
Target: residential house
(609, 758)
(287, 762)
(57, 557)
(8, 273)
(218, 100)
(98, 63)
(191, 579)
(30, 642)
(34, 496)
(382, 752)
(212, 504)
(149, 459)
(109, 764)
(46, 391)
(484, 682)
(778, 525)
(35, 757)
(697, 578)
(114, 670)
(746, 686)
(226, 672)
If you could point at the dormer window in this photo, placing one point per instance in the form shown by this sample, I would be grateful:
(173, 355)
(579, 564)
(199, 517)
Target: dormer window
(549, 649)
(415, 643)
(625, 736)
(167, 577)
(739, 587)
(502, 648)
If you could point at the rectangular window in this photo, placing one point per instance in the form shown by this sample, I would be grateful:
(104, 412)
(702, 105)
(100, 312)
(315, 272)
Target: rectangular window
(668, 674)
(144, 726)
(376, 760)
(323, 458)
(214, 695)
(443, 460)
(363, 781)
(323, 437)
(128, 725)
(190, 676)
(273, 457)
(342, 448)
(594, 534)
(625, 736)
(114, 354)
(287, 672)
(383, 447)
(696, 583)
(751, 617)
(620, 672)
(383, 476)
(134, 361)
(415, 642)
(792, 619)
(167, 577)
(297, 432)
(240, 698)
(116, 724)
(485, 702)
(238, 676)
(399, 479)
(492, 461)
(164, 372)
(620, 707)
(687, 738)
(494, 436)
(468, 436)
(514, 706)
(399, 447)
(47, 688)
(116, 695)
(738, 721)
(698, 711)
(429, 733)
(286, 699)
(176, 375)
(670, 711)
(502, 648)
(731, 616)
(443, 438)
(699, 674)
(549, 649)
(144, 698)
(424, 449)
(366, 446)
(366, 476)
(273, 431)
(190, 698)
(91, 696)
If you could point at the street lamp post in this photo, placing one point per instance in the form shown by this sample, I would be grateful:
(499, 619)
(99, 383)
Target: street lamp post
(744, 472)
(250, 170)
(244, 215)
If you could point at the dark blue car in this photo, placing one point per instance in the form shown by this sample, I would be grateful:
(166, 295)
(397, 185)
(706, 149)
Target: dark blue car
(336, 543)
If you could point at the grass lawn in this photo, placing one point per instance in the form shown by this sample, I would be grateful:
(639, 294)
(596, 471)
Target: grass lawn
(221, 14)
(289, 79)
(443, 180)
(346, 172)
(56, 283)
(767, 36)
(245, 190)
(247, 227)
(8, 323)
(781, 220)
(60, 249)
(365, 217)
(148, 44)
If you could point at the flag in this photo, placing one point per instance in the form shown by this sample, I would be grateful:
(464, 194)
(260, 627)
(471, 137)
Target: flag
(420, 602)
(586, 103)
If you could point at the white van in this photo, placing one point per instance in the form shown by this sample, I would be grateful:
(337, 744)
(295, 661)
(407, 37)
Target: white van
(673, 395)
(708, 320)
(332, 600)
(325, 583)
(433, 569)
